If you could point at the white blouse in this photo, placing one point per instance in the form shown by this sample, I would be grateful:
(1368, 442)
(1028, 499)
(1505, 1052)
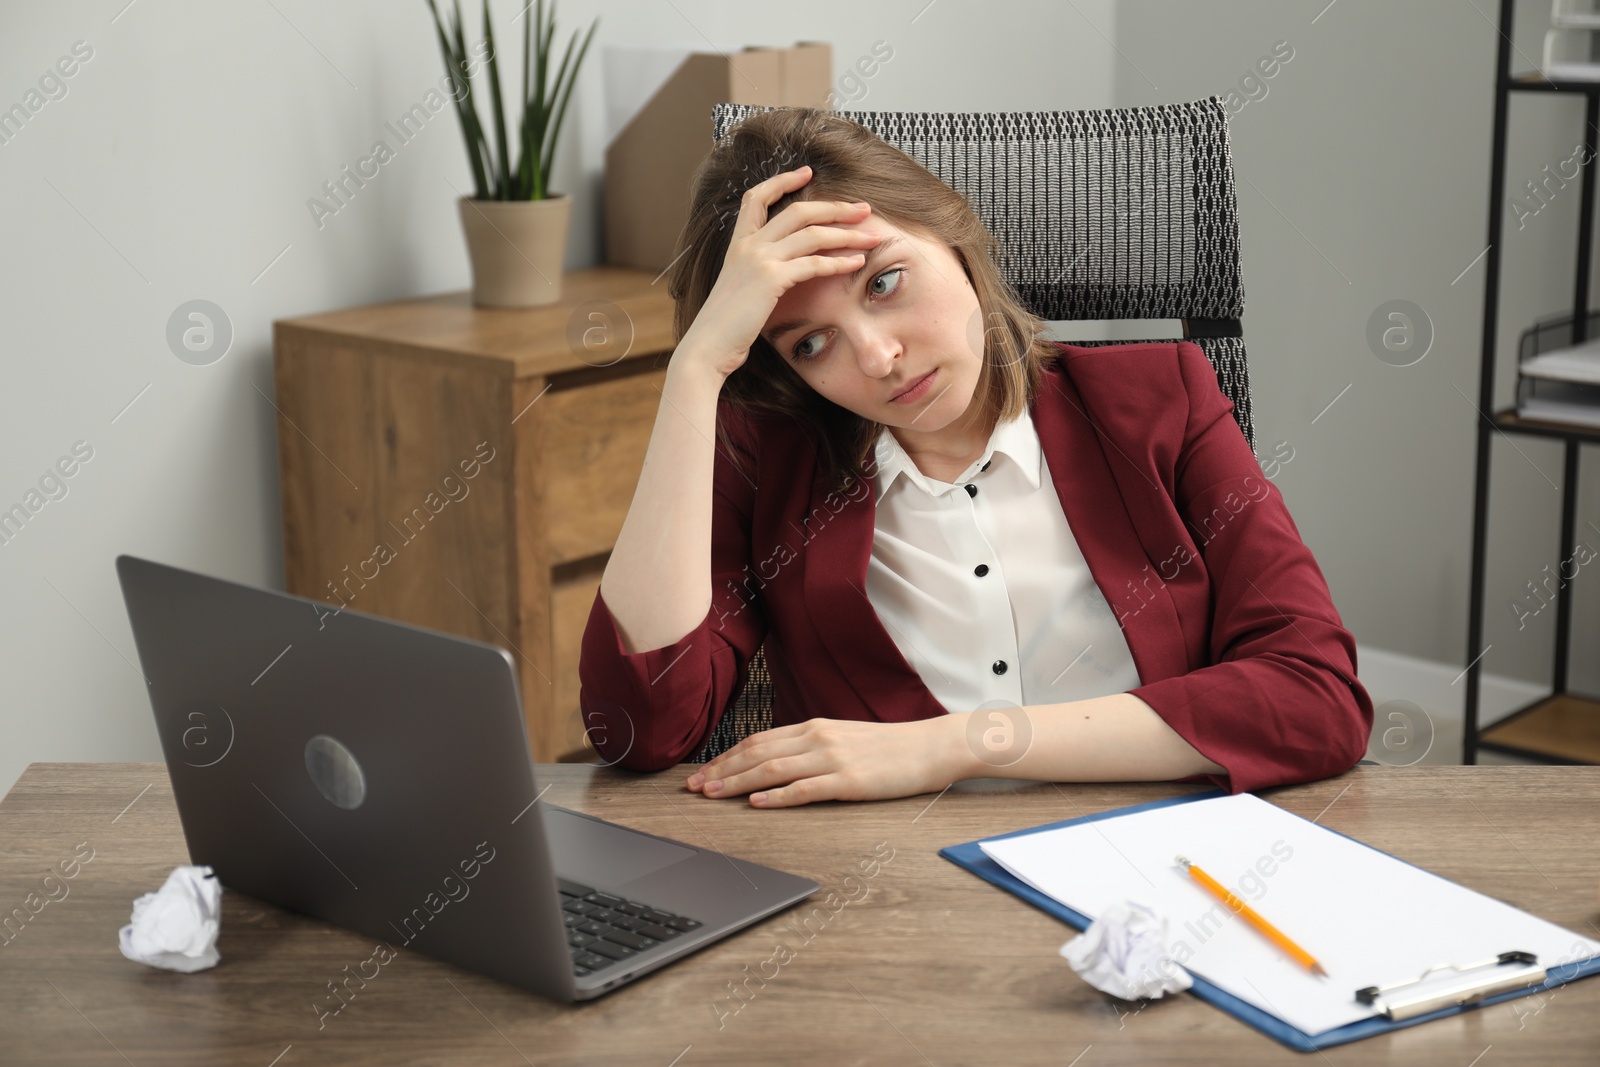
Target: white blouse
(982, 586)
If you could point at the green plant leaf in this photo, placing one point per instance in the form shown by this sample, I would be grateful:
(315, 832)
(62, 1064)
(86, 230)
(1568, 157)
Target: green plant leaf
(504, 181)
(561, 110)
(475, 134)
(538, 116)
(455, 68)
(524, 182)
(527, 46)
(544, 104)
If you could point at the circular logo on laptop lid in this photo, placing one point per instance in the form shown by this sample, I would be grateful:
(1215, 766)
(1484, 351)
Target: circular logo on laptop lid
(335, 771)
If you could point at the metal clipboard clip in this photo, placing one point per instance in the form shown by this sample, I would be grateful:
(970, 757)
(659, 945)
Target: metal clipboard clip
(1467, 985)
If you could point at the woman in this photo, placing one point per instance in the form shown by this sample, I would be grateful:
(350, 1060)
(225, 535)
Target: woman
(913, 502)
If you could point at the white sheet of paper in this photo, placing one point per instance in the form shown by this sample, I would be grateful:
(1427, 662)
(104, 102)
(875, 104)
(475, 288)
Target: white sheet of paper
(1367, 917)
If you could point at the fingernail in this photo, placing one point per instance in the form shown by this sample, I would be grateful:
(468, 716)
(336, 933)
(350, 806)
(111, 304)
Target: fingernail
(714, 787)
(759, 798)
(696, 779)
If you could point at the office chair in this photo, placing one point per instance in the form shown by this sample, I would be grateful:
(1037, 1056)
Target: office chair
(1126, 213)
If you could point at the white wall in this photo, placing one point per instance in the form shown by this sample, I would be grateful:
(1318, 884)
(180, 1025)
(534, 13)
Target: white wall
(177, 167)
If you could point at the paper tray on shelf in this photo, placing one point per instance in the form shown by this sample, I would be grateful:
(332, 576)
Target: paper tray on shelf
(1574, 14)
(1559, 401)
(1568, 56)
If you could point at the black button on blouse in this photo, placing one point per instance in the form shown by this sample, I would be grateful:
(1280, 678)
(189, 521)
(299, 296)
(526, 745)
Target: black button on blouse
(981, 569)
(999, 666)
(972, 490)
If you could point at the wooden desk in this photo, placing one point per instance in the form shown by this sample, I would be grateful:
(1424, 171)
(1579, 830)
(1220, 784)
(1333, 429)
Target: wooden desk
(492, 453)
(929, 964)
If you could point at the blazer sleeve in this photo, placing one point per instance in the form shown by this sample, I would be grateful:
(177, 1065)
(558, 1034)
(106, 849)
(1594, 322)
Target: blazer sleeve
(650, 710)
(1280, 702)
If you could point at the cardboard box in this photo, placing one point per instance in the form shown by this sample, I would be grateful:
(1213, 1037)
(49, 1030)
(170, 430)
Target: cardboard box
(651, 161)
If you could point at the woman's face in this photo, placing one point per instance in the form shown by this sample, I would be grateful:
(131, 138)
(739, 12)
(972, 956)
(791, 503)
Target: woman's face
(861, 340)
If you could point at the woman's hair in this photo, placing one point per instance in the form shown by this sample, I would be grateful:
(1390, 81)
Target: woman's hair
(848, 162)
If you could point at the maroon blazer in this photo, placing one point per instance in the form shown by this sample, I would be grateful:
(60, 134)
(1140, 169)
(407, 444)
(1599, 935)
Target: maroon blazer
(1227, 615)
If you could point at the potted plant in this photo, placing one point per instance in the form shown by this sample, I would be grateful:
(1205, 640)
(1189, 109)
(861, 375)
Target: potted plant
(516, 228)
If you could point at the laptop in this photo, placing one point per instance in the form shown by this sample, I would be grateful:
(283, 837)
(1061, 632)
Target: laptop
(377, 776)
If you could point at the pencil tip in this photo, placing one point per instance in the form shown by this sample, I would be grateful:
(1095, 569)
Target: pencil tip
(1317, 970)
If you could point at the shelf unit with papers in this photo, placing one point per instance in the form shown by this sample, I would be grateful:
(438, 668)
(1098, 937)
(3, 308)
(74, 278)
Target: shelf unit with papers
(1563, 727)
(1558, 383)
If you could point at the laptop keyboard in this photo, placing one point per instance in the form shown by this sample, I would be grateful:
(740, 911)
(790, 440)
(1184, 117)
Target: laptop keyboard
(603, 929)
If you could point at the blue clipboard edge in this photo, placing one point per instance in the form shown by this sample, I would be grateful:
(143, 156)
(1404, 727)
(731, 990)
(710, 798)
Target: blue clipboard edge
(973, 858)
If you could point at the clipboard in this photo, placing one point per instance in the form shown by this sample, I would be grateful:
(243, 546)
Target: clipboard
(1455, 989)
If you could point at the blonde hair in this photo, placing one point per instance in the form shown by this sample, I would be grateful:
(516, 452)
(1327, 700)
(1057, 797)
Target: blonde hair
(848, 162)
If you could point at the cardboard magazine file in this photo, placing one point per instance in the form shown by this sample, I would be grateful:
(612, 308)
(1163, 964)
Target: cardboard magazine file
(650, 163)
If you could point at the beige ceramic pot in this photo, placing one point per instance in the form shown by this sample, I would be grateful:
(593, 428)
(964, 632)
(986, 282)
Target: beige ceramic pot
(517, 248)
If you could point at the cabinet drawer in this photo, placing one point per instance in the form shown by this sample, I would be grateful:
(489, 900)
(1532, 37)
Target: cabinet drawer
(594, 441)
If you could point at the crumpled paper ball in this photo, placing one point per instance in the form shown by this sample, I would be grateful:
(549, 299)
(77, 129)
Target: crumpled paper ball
(1124, 952)
(175, 928)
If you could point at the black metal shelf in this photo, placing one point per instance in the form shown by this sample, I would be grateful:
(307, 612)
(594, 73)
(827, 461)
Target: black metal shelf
(1570, 719)
(1509, 421)
(1534, 82)
(1563, 729)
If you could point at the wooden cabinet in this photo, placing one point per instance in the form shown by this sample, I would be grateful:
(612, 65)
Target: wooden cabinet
(468, 469)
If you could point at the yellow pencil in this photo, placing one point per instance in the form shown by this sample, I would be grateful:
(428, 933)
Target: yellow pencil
(1245, 912)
